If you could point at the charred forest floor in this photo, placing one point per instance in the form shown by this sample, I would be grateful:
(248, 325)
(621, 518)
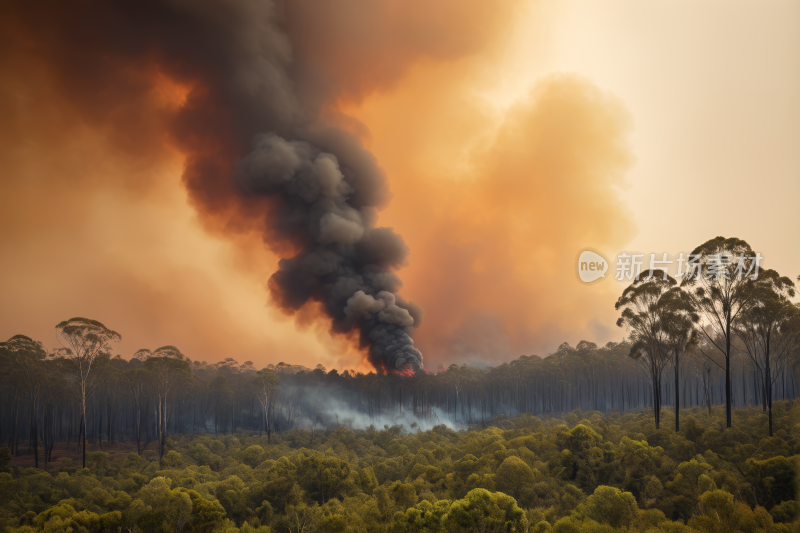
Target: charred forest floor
(117, 450)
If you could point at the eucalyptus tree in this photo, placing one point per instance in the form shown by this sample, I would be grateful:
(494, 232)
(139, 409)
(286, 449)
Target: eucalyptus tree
(167, 367)
(25, 358)
(701, 368)
(266, 385)
(455, 378)
(768, 330)
(110, 376)
(84, 342)
(137, 381)
(220, 395)
(720, 278)
(642, 309)
(193, 388)
(55, 390)
(10, 404)
(678, 322)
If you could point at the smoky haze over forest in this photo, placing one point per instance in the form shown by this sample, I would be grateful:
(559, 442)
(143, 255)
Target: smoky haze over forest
(321, 263)
(253, 99)
(226, 397)
(225, 448)
(306, 184)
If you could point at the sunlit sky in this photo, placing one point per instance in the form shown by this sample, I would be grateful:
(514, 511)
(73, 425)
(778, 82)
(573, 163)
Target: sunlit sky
(714, 90)
(702, 102)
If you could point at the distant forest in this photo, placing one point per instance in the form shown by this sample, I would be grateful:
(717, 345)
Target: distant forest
(163, 392)
(589, 439)
(728, 333)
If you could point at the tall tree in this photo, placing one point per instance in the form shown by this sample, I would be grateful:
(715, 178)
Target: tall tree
(136, 381)
(719, 278)
(84, 341)
(642, 314)
(168, 367)
(54, 390)
(768, 331)
(25, 357)
(266, 385)
(678, 320)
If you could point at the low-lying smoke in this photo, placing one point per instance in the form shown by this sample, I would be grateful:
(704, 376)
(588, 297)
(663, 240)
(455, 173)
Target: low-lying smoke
(320, 406)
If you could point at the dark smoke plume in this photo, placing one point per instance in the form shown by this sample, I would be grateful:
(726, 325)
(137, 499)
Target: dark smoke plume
(344, 260)
(258, 152)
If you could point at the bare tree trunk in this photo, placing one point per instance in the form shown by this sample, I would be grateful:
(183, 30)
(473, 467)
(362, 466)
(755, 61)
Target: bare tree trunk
(137, 427)
(728, 400)
(16, 437)
(768, 384)
(35, 435)
(269, 433)
(45, 434)
(82, 436)
(677, 396)
(99, 425)
(163, 441)
(12, 425)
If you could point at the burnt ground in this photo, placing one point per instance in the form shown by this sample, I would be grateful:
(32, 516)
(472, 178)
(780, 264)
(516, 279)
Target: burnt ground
(117, 450)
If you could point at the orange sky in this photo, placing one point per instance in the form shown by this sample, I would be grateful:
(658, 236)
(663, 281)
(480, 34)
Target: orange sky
(508, 146)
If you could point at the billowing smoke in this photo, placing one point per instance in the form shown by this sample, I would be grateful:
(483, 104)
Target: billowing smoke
(344, 261)
(266, 104)
(266, 148)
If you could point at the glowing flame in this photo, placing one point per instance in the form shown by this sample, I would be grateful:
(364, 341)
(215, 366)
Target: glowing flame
(408, 372)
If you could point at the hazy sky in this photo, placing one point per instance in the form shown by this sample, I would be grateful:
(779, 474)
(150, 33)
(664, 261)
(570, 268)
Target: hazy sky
(714, 89)
(619, 125)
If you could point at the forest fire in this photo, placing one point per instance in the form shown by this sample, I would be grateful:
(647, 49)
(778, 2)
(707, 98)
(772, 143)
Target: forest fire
(408, 372)
(212, 155)
(311, 186)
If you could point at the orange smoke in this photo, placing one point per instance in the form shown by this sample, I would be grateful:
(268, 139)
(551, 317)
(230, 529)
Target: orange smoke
(493, 208)
(496, 208)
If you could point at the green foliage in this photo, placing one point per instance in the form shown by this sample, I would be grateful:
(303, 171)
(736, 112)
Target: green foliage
(722, 514)
(321, 475)
(582, 458)
(425, 517)
(514, 476)
(253, 455)
(611, 506)
(159, 508)
(774, 480)
(483, 511)
(206, 515)
(605, 474)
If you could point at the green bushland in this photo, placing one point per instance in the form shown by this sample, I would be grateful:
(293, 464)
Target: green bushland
(582, 472)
